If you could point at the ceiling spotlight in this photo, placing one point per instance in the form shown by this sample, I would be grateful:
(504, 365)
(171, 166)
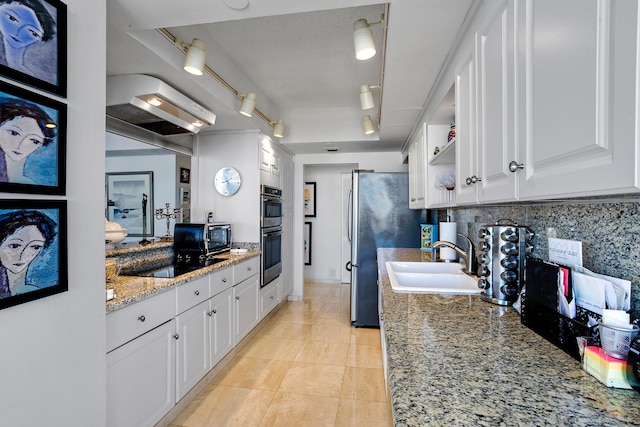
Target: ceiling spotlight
(278, 129)
(363, 39)
(366, 97)
(367, 125)
(248, 103)
(194, 62)
(154, 101)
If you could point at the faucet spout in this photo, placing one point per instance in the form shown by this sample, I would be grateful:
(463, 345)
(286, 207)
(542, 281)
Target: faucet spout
(468, 255)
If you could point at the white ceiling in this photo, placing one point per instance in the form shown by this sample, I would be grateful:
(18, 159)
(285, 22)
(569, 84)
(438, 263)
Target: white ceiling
(297, 56)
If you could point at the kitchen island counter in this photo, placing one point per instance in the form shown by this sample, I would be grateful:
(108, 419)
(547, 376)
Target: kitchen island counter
(132, 289)
(457, 360)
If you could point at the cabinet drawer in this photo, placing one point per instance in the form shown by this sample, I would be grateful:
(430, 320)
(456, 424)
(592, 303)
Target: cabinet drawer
(220, 281)
(192, 293)
(130, 322)
(246, 269)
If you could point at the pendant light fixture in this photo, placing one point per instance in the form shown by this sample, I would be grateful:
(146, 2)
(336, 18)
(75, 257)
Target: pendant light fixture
(196, 56)
(367, 125)
(278, 129)
(366, 97)
(248, 104)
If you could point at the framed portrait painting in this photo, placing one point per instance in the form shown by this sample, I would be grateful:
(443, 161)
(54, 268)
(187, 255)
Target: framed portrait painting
(33, 132)
(310, 199)
(33, 250)
(185, 176)
(38, 56)
(130, 202)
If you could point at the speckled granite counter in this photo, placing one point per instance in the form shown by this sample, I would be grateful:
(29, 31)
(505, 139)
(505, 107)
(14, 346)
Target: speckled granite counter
(132, 289)
(457, 360)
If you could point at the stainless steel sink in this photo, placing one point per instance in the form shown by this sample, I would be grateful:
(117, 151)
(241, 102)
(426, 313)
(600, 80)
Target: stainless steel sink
(430, 277)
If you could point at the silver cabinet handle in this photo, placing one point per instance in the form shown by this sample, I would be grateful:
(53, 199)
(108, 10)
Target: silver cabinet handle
(176, 336)
(142, 318)
(224, 280)
(214, 311)
(197, 293)
(472, 180)
(248, 268)
(238, 298)
(514, 166)
(272, 297)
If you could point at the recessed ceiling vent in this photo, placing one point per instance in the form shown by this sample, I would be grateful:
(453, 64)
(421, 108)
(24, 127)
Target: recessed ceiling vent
(150, 103)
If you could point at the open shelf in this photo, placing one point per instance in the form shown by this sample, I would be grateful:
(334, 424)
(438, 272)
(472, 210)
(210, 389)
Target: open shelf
(447, 155)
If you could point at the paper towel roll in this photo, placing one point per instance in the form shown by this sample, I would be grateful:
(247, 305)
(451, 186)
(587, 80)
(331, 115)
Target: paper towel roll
(448, 233)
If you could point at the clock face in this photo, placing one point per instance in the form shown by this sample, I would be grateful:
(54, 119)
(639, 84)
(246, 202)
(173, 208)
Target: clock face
(227, 181)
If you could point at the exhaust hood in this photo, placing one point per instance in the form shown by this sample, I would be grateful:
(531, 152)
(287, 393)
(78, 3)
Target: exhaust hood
(150, 103)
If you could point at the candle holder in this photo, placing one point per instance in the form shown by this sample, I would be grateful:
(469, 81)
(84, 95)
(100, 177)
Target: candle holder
(169, 215)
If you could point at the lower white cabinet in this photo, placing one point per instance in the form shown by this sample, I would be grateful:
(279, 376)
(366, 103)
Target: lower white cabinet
(269, 297)
(192, 358)
(220, 326)
(141, 378)
(245, 296)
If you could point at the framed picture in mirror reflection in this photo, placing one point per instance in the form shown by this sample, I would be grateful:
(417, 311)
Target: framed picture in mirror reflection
(130, 201)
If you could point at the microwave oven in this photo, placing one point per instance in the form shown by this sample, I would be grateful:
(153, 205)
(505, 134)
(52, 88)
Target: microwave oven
(198, 242)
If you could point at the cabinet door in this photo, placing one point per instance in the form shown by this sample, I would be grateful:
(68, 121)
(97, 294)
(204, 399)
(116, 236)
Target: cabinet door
(417, 160)
(495, 53)
(141, 378)
(192, 359)
(245, 296)
(465, 132)
(580, 74)
(269, 297)
(220, 326)
(266, 158)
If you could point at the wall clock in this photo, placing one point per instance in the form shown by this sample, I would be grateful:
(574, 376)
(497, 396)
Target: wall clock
(227, 181)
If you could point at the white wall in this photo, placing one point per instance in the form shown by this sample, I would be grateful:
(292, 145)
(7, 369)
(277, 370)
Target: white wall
(326, 226)
(315, 163)
(53, 349)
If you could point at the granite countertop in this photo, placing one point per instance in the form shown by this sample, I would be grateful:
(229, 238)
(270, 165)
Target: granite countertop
(132, 289)
(457, 360)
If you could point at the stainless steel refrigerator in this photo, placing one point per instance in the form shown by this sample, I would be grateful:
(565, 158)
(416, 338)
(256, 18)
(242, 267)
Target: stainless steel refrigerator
(380, 218)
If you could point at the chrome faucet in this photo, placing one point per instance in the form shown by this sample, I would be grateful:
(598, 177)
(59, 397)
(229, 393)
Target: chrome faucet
(468, 255)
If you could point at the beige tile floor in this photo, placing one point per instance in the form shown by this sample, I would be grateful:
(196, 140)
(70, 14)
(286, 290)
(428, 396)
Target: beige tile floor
(307, 367)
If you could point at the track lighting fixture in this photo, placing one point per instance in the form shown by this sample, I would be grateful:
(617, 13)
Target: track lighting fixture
(278, 128)
(363, 43)
(366, 97)
(248, 103)
(195, 60)
(367, 125)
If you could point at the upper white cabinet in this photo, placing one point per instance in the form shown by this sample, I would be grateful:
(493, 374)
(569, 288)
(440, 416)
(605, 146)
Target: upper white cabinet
(578, 123)
(546, 101)
(270, 164)
(417, 176)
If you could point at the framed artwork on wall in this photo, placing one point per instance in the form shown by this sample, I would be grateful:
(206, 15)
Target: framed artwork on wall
(130, 201)
(38, 56)
(310, 199)
(185, 175)
(185, 196)
(33, 250)
(33, 131)
(307, 243)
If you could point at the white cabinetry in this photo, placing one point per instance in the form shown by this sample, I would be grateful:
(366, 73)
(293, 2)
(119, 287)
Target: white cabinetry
(270, 164)
(220, 325)
(141, 378)
(580, 110)
(417, 176)
(269, 297)
(192, 358)
(245, 295)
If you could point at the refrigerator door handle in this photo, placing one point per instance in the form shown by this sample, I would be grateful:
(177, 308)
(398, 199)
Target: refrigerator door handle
(349, 214)
(348, 266)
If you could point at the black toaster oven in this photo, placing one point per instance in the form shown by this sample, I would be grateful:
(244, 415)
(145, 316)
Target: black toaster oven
(197, 242)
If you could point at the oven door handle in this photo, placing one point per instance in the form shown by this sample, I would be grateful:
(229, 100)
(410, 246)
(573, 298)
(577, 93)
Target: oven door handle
(267, 233)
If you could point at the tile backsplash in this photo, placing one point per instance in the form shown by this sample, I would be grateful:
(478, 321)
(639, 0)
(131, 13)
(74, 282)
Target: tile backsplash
(608, 228)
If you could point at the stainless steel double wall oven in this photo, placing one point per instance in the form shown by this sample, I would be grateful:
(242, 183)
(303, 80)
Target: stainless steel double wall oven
(271, 232)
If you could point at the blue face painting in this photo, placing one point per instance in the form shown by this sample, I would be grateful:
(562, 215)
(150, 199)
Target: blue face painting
(19, 25)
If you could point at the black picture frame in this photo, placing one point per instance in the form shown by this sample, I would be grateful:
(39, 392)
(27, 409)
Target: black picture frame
(185, 175)
(46, 272)
(43, 170)
(129, 201)
(40, 63)
(307, 242)
(310, 199)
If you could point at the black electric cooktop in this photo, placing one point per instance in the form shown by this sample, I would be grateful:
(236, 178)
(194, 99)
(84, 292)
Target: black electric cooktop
(176, 270)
